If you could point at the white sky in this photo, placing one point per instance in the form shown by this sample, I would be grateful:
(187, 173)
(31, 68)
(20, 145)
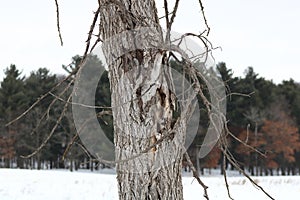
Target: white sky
(259, 33)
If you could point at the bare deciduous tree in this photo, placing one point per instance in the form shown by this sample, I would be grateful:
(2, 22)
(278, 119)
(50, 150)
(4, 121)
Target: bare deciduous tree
(149, 136)
(142, 77)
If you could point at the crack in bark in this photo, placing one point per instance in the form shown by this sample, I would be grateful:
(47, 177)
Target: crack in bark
(140, 103)
(139, 55)
(162, 96)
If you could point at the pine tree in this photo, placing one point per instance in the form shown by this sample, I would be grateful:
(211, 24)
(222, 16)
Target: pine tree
(14, 101)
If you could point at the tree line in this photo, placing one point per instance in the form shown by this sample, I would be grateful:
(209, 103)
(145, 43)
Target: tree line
(260, 113)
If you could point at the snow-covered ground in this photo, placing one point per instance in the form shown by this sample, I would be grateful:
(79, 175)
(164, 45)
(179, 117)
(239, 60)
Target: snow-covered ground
(63, 185)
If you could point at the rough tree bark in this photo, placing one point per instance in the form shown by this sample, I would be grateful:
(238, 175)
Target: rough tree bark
(142, 102)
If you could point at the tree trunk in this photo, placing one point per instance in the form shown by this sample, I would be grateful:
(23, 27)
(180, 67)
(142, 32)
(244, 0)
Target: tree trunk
(142, 102)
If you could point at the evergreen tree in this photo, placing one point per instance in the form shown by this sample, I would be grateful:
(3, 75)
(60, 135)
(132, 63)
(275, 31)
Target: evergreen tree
(38, 83)
(14, 101)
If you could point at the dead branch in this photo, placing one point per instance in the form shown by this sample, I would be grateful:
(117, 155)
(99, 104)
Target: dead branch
(79, 104)
(185, 115)
(204, 17)
(95, 44)
(245, 144)
(84, 150)
(174, 13)
(194, 73)
(100, 114)
(167, 14)
(234, 162)
(51, 132)
(169, 22)
(88, 41)
(225, 177)
(58, 24)
(196, 175)
(41, 98)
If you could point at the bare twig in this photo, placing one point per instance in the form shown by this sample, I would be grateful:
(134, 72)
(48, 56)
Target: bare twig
(239, 94)
(51, 132)
(41, 98)
(84, 149)
(58, 24)
(80, 129)
(95, 44)
(146, 150)
(204, 17)
(247, 137)
(196, 175)
(171, 21)
(225, 177)
(245, 144)
(167, 14)
(232, 160)
(71, 143)
(88, 41)
(165, 134)
(174, 13)
(79, 104)
(193, 72)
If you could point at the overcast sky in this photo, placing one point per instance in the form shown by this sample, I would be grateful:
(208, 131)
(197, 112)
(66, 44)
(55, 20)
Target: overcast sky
(259, 33)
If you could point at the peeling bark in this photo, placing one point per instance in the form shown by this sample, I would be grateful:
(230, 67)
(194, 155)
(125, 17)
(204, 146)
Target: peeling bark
(141, 92)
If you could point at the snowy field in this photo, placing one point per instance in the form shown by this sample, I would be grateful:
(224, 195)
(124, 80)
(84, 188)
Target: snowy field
(63, 185)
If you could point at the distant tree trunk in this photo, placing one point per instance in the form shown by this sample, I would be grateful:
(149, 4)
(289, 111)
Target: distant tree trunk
(7, 163)
(39, 162)
(71, 164)
(261, 171)
(77, 165)
(293, 171)
(283, 172)
(271, 172)
(92, 165)
(142, 104)
(20, 163)
(51, 164)
(251, 170)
